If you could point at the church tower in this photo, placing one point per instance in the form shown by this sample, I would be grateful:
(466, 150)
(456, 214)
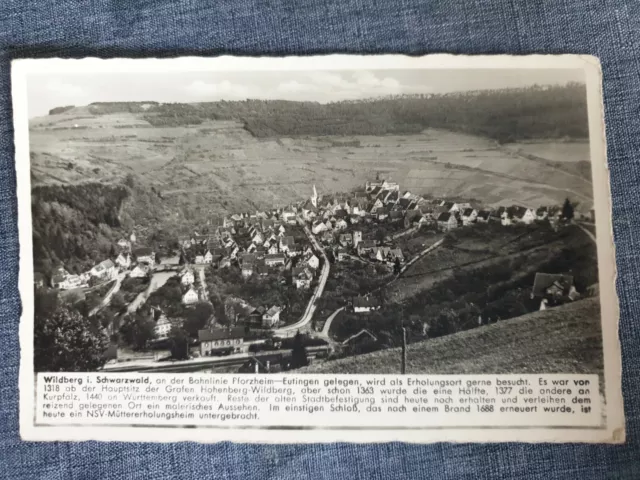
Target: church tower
(314, 197)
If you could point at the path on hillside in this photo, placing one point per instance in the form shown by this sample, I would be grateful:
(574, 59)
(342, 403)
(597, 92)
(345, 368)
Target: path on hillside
(585, 230)
(327, 325)
(292, 329)
(107, 299)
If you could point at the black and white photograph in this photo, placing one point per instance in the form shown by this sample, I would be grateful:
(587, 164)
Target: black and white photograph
(324, 221)
(329, 244)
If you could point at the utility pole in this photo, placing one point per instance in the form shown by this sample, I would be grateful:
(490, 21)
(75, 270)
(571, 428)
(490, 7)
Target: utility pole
(404, 351)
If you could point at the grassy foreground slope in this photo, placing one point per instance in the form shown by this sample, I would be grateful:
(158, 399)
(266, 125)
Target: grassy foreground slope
(566, 339)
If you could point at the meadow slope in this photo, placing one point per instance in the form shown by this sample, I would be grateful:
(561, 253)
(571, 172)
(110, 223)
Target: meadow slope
(566, 339)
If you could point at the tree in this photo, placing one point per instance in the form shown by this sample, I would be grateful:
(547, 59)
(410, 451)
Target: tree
(137, 330)
(65, 342)
(179, 343)
(380, 235)
(197, 318)
(298, 352)
(396, 266)
(567, 210)
(117, 301)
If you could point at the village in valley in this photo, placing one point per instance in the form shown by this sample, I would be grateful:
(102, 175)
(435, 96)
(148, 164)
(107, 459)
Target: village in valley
(273, 290)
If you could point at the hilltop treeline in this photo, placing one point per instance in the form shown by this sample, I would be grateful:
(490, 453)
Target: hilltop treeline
(59, 110)
(504, 115)
(76, 225)
(103, 108)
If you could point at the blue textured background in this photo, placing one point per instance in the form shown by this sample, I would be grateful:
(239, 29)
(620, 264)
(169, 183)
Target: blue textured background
(605, 28)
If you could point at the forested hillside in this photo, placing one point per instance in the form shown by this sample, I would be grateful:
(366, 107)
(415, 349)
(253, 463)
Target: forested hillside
(79, 225)
(504, 115)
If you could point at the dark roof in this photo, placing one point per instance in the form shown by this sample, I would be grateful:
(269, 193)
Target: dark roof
(484, 214)
(366, 302)
(142, 252)
(397, 214)
(467, 211)
(288, 240)
(375, 190)
(382, 211)
(248, 258)
(274, 256)
(498, 212)
(544, 280)
(221, 334)
(404, 202)
(367, 244)
(392, 196)
(447, 205)
(444, 217)
(542, 210)
(340, 213)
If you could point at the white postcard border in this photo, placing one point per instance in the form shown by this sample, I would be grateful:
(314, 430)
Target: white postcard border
(613, 433)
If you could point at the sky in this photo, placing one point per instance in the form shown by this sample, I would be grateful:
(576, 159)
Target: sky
(54, 90)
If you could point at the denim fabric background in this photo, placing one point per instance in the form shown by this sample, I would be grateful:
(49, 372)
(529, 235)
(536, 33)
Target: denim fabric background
(606, 28)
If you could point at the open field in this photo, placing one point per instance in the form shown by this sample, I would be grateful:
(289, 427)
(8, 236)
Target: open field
(554, 150)
(219, 166)
(558, 340)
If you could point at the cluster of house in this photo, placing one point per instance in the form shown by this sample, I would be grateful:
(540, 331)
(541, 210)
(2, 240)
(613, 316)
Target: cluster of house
(63, 280)
(450, 215)
(142, 259)
(259, 243)
(381, 201)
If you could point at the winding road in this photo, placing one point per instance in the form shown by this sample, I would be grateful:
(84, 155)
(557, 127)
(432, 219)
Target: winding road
(292, 329)
(327, 324)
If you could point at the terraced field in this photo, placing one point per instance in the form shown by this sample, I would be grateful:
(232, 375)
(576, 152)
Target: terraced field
(219, 166)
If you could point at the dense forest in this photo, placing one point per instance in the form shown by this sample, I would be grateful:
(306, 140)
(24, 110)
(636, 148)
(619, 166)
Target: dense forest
(76, 225)
(504, 115)
(79, 225)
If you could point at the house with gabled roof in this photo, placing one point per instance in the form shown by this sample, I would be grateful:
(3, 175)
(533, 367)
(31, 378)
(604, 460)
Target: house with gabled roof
(274, 259)
(123, 261)
(190, 297)
(483, 216)
(365, 304)
(271, 317)
(366, 246)
(214, 341)
(468, 216)
(447, 221)
(302, 277)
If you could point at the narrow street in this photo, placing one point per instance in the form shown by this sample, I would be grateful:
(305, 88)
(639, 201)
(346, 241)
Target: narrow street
(291, 330)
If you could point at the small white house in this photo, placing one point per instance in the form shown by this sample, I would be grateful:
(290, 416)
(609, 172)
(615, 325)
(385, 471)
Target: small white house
(190, 297)
(208, 257)
(104, 270)
(140, 271)
(469, 216)
(318, 227)
(187, 278)
(271, 317)
(313, 262)
(123, 261)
